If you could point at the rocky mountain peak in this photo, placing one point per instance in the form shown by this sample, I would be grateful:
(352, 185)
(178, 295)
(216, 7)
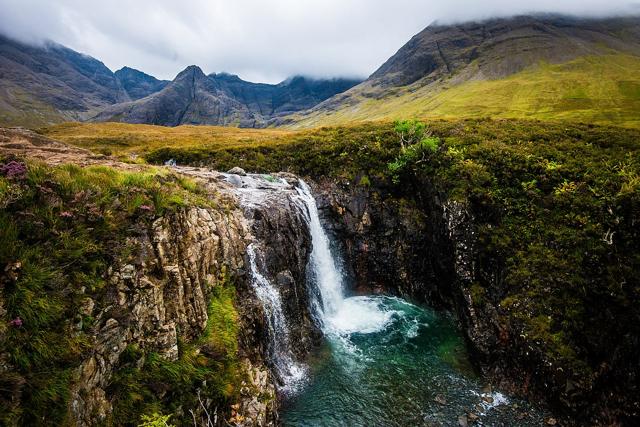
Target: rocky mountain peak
(192, 71)
(504, 46)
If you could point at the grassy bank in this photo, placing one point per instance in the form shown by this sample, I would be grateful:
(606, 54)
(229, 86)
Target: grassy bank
(60, 230)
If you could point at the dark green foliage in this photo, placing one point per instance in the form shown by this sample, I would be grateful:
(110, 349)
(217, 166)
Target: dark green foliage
(559, 208)
(421, 146)
(337, 152)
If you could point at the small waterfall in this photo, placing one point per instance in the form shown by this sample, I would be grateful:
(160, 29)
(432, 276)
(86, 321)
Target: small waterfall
(327, 277)
(290, 373)
(337, 315)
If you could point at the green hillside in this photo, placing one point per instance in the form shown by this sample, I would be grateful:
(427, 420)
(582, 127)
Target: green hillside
(594, 89)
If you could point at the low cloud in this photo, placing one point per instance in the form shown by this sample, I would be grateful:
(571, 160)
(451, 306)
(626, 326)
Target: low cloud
(260, 40)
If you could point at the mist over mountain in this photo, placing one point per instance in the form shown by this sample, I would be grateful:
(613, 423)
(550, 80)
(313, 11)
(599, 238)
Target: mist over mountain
(260, 41)
(40, 85)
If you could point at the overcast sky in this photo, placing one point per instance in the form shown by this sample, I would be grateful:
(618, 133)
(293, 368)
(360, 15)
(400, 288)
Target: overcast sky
(260, 40)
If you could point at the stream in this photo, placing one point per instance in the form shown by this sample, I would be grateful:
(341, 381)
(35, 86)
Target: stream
(383, 361)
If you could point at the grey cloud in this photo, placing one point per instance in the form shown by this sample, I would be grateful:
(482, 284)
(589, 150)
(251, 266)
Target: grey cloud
(257, 39)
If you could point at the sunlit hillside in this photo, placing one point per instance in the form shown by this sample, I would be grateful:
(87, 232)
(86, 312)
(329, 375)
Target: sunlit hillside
(598, 89)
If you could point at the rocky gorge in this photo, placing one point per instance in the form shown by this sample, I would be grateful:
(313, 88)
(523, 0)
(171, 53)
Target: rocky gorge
(419, 241)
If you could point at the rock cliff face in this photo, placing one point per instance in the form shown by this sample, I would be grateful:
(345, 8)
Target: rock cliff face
(276, 226)
(160, 298)
(426, 250)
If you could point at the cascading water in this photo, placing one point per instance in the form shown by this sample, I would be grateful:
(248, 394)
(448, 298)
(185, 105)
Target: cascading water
(337, 315)
(387, 362)
(325, 275)
(290, 373)
(384, 361)
(259, 194)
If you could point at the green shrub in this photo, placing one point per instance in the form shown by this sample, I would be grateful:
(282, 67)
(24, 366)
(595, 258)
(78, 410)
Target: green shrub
(155, 420)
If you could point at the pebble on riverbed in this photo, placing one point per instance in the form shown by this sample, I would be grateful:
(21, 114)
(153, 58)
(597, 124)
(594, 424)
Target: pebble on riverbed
(487, 399)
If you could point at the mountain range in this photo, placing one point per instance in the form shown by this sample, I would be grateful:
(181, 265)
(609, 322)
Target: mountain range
(47, 84)
(541, 67)
(223, 99)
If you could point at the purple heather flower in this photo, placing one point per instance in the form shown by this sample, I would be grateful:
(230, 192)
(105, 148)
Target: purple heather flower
(17, 322)
(13, 169)
(66, 214)
(146, 208)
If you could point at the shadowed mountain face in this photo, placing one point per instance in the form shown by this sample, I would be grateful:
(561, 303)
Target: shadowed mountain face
(138, 84)
(224, 99)
(474, 57)
(40, 85)
(52, 83)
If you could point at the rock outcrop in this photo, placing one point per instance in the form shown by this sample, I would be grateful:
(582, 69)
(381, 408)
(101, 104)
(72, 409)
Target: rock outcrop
(160, 297)
(157, 293)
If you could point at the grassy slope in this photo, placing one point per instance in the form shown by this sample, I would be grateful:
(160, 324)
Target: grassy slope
(602, 90)
(60, 230)
(123, 139)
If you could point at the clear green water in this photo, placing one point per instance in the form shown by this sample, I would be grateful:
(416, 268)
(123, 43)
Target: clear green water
(386, 362)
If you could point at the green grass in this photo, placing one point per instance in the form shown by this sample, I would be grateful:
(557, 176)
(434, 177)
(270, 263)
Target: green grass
(60, 229)
(599, 89)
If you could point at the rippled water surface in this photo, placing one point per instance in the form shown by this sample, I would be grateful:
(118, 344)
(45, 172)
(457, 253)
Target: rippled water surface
(390, 363)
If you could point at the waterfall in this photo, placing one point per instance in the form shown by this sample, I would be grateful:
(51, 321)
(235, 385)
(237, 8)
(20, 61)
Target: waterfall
(290, 373)
(336, 314)
(325, 274)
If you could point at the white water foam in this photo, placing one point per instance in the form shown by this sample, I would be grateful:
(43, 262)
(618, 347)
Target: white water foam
(359, 315)
(339, 316)
(490, 400)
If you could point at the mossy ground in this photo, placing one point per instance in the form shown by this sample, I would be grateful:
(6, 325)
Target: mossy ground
(60, 229)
